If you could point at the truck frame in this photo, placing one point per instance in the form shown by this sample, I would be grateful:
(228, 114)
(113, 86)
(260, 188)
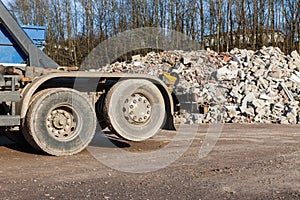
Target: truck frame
(58, 109)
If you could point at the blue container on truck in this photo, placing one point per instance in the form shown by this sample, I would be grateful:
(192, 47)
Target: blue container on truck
(11, 52)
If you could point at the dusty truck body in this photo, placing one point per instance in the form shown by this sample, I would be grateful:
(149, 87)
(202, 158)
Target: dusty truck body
(58, 109)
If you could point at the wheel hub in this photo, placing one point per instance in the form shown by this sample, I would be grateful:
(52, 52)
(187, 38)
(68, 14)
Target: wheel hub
(61, 123)
(137, 109)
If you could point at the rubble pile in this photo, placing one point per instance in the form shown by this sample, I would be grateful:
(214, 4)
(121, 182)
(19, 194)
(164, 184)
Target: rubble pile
(241, 86)
(261, 86)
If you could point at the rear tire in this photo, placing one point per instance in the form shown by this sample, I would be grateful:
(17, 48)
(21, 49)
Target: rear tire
(60, 122)
(134, 109)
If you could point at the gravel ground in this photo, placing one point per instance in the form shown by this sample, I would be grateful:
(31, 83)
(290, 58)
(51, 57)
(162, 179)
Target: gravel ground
(248, 162)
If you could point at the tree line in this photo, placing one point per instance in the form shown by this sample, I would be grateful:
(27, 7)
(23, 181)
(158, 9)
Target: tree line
(75, 27)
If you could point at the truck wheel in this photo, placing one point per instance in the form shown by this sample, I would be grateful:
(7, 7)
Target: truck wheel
(60, 122)
(135, 109)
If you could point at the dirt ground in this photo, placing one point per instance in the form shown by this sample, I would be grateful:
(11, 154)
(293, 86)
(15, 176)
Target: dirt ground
(248, 162)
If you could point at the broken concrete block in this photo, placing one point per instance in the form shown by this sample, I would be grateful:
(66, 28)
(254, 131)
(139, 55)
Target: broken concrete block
(264, 96)
(275, 72)
(250, 112)
(226, 74)
(263, 83)
(259, 73)
(288, 92)
(258, 103)
(295, 78)
(136, 58)
(233, 114)
(295, 55)
(187, 60)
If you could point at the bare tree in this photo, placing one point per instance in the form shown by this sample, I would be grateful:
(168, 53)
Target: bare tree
(77, 26)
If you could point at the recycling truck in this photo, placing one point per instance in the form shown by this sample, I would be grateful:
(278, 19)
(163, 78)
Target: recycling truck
(57, 110)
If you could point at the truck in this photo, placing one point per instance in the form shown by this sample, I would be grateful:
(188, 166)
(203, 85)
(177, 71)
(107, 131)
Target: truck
(58, 110)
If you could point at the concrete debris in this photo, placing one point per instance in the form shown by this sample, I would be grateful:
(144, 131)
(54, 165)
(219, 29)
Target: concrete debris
(136, 58)
(241, 86)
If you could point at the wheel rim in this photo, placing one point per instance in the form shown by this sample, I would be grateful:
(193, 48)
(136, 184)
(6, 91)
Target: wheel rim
(137, 109)
(63, 123)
